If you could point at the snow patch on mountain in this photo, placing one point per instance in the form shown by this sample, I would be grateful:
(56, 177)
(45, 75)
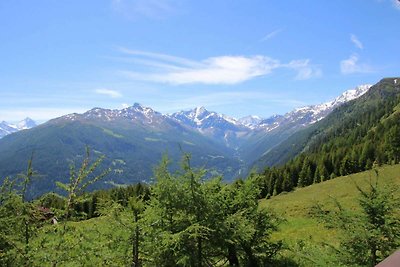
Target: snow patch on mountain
(250, 121)
(201, 118)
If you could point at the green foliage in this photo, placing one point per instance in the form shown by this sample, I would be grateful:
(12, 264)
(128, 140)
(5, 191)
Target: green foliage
(184, 220)
(19, 219)
(80, 180)
(193, 222)
(354, 137)
(372, 234)
(26, 238)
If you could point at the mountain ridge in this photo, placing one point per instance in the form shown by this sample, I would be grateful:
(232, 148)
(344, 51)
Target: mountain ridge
(135, 138)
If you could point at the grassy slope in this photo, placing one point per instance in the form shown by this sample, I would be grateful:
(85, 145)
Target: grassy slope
(295, 206)
(104, 243)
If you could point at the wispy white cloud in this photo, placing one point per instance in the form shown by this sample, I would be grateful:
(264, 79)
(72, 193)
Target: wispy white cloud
(153, 9)
(352, 65)
(270, 35)
(214, 70)
(356, 42)
(158, 57)
(108, 92)
(305, 70)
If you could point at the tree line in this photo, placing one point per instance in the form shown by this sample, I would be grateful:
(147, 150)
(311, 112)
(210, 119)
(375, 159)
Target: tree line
(369, 137)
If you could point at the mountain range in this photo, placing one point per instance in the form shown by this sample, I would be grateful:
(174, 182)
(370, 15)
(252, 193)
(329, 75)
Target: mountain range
(9, 128)
(135, 138)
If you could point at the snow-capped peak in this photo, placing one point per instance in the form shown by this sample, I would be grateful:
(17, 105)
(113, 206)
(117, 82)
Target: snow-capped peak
(201, 118)
(352, 94)
(26, 123)
(8, 128)
(133, 112)
(250, 121)
(147, 111)
(199, 111)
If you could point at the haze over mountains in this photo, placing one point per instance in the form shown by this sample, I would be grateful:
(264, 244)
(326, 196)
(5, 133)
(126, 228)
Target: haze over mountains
(135, 138)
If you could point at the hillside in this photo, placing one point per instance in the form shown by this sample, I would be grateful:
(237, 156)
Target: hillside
(133, 141)
(268, 146)
(353, 138)
(354, 121)
(295, 207)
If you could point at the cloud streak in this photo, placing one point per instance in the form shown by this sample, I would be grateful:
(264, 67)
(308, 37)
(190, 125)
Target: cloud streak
(215, 70)
(356, 42)
(352, 65)
(271, 35)
(304, 69)
(108, 92)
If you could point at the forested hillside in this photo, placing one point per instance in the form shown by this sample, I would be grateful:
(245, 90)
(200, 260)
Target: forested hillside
(353, 138)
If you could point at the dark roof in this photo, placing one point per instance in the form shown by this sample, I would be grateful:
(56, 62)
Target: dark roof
(391, 261)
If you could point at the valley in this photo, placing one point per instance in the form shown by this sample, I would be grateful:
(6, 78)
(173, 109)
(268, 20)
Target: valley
(134, 140)
(175, 133)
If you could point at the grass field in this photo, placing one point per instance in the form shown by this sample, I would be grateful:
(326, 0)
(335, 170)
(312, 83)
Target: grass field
(295, 206)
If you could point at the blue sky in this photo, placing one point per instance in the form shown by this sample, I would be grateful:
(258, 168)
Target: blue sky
(237, 57)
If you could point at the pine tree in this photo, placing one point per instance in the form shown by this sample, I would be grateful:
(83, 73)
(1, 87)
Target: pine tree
(306, 175)
(393, 144)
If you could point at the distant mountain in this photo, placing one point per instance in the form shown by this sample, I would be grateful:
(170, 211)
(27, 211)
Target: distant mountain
(307, 115)
(8, 128)
(221, 128)
(135, 138)
(272, 131)
(251, 121)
